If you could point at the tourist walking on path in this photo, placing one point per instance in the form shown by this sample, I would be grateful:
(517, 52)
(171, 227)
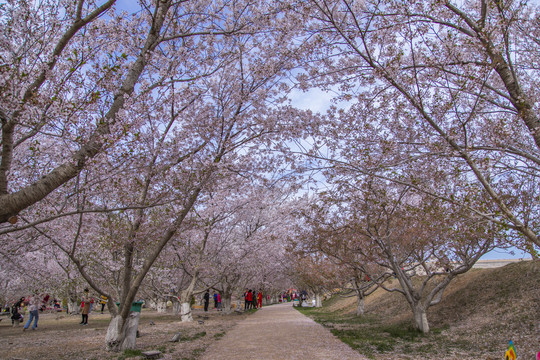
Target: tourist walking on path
(215, 300)
(33, 308)
(206, 300)
(253, 300)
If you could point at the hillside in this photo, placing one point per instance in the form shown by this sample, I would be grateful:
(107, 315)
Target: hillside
(481, 310)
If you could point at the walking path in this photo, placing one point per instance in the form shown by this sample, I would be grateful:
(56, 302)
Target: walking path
(279, 332)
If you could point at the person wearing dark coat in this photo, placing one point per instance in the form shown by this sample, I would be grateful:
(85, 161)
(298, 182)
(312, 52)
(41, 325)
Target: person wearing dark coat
(206, 300)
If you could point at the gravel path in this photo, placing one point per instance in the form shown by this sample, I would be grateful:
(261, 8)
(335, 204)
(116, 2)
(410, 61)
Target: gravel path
(279, 332)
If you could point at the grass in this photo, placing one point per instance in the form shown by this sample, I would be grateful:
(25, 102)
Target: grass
(480, 311)
(129, 353)
(372, 337)
(219, 335)
(193, 337)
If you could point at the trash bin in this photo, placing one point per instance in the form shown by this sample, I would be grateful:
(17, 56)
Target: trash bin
(136, 306)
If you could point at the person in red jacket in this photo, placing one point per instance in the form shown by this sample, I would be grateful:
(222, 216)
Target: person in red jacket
(250, 299)
(259, 299)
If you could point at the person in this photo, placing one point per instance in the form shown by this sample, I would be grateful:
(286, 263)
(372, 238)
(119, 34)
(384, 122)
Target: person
(246, 303)
(91, 305)
(16, 316)
(215, 300)
(250, 299)
(259, 299)
(206, 300)
(44, 302)
(35, 304)
(254, 300)
(103, 301)
(85, 304)
(218, 302)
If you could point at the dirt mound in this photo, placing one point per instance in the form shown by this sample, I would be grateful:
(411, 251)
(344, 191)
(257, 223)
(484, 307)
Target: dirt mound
(483, 309)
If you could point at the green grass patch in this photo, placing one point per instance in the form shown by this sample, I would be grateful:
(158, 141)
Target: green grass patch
(219, 335)
(193, 337)
(129, 353)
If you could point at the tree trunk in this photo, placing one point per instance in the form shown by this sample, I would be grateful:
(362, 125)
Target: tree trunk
(238, 305)
(360, 309)
(114, 336)
(226, 303)
(122, 335)
(420, 319)
(161, 306)
(318, 300)
(185, 312)
(176, 307)
(72, 307)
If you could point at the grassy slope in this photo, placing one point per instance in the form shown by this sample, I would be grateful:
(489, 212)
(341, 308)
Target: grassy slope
(480, 312)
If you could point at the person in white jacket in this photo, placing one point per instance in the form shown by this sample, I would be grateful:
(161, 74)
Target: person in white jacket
(33, 308)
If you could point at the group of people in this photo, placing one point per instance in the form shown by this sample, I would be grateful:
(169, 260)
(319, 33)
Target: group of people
(35, 303)
(40, 302)
(252, 300)
(217, 300)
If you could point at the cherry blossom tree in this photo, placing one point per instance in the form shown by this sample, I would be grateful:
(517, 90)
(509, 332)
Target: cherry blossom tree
(390, 230)
(198, 119)
(433, 81)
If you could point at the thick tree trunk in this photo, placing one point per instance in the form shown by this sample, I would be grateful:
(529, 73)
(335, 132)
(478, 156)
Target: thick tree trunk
(420, 319)
(176, 307)
(161, 306)
(226, 303)
(360, 308)
(122, 335)
(318, 300)
(72, 307)
(185, 312)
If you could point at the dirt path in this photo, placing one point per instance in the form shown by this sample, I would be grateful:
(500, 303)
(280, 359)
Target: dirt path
(279, 332)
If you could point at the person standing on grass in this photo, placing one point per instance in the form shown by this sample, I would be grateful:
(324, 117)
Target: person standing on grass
(215, 300)
(218, 302)
(206, 300)
(33, 308)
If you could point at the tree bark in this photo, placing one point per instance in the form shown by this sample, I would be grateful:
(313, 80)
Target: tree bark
(114, 336)
(226, 303)
(161, 306)
(176, 307)
(318, 300)
(420, 319)
(72, 307)
(122, 335)
(185, 312)
(360, 305)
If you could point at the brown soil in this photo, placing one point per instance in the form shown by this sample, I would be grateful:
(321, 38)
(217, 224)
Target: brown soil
(59, 336)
